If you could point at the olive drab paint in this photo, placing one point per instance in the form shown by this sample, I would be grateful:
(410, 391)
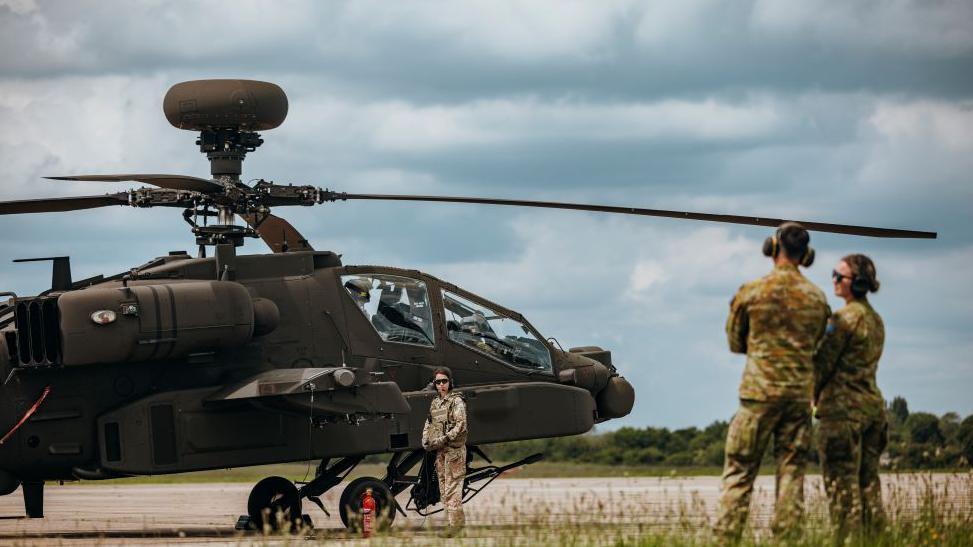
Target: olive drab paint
(198, 373)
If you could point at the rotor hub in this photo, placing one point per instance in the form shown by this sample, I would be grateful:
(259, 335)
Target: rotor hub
(224, 232)
(226, 148)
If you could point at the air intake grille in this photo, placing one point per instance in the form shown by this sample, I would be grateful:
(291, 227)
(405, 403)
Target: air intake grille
(38, 332)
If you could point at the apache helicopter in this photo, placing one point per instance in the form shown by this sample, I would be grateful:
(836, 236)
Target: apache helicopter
(194, 363)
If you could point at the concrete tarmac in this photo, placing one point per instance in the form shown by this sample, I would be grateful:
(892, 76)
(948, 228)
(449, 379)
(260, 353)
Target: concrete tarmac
(105, 514)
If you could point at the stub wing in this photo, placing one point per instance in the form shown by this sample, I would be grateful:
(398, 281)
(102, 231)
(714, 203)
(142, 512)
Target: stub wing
(342, 391)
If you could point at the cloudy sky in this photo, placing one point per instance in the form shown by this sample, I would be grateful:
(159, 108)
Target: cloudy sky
(846, 112)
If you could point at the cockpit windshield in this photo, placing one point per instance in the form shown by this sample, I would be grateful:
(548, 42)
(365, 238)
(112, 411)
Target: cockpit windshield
(398, 307)
(494, 334)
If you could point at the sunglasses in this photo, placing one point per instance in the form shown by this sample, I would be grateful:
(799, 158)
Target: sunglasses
(838, 278)
(441, 381)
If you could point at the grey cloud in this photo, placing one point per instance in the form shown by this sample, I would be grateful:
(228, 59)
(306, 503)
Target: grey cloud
(729, 109)
(435, 52)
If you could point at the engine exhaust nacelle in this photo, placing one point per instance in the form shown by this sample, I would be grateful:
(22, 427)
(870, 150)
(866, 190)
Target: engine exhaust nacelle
(148, 322)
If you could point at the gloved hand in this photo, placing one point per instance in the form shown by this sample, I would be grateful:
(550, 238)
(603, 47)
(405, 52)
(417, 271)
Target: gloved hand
(436, 444)
(430, 444)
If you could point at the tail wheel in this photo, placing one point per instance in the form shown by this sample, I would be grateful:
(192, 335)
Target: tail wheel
(274, 502)
(349, 506)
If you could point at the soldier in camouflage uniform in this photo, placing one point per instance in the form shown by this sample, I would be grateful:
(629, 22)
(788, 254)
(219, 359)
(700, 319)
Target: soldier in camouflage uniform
(853, 430)
(778, 321)
(445, 433)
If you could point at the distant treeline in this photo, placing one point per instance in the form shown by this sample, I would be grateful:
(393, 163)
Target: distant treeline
(917, 440)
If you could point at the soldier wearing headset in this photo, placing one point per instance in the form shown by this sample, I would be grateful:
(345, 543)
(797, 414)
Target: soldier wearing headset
(778, 321)
(853, 429)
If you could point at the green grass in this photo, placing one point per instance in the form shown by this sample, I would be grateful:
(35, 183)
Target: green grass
(297, 471)
(543, 469)
(921, 512)
(567, 469)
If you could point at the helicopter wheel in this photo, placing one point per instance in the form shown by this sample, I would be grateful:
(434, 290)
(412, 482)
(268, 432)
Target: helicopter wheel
(274, 502)
(349, 506)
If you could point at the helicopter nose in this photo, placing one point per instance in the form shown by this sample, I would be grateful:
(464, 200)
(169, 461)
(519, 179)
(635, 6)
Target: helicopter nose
(616, 399)
(578, 367)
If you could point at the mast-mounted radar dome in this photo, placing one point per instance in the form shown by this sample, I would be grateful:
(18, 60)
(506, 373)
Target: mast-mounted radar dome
(227, 114)
(246, 105)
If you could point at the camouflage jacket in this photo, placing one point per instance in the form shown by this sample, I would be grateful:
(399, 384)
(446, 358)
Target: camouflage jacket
(446, 424)
(778, 321)
(846, 363)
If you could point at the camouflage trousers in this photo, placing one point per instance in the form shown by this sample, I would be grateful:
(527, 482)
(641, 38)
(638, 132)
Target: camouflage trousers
(451, 471)
(789, 423)
(849, 462)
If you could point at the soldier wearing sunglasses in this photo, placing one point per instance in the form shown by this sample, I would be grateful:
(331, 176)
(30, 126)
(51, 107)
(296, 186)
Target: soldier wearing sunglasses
(853, 429)
(445, 434)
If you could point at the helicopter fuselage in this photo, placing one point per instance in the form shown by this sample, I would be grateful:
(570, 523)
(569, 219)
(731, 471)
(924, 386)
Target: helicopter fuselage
(189, 364)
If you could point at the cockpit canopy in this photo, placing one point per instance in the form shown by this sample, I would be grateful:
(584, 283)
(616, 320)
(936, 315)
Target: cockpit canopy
(485, 330)
(399, 309)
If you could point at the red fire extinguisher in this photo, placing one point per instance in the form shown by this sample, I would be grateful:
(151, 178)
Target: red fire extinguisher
(368, 513)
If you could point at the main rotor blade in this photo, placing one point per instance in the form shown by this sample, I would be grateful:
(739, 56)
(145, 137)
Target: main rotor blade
(172, 182)
(54, 205)
(734, 219)
(278, 234)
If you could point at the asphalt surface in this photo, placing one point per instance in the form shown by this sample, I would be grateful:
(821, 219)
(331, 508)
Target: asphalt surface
(106, 514)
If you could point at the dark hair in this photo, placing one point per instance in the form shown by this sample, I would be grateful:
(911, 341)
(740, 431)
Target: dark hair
(445, 372)
(864, 278)
(793, 239)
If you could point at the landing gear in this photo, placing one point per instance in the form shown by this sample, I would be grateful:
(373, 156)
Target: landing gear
(34, 498)
(349, 506)
(327, 477)
(420, 498)
(279, 496)
(274, 502)
(383, 491)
